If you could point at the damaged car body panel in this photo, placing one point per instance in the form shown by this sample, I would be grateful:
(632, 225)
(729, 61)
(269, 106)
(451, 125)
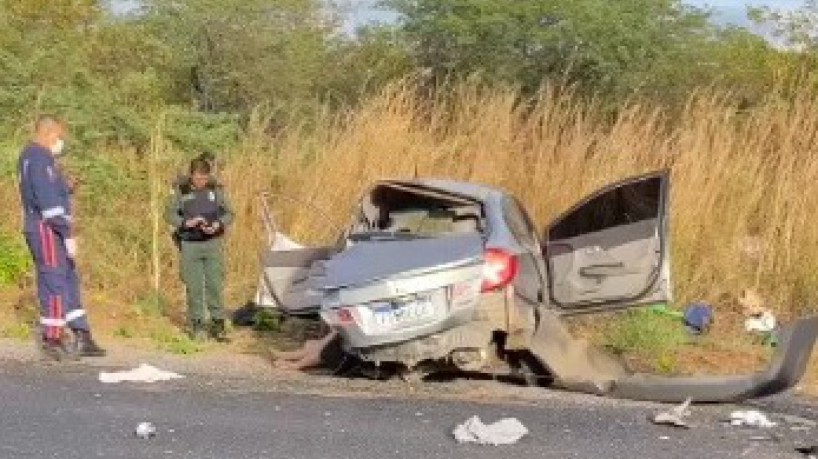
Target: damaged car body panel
(436, 272)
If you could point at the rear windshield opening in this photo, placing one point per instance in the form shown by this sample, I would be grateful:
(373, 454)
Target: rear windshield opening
(396, 209)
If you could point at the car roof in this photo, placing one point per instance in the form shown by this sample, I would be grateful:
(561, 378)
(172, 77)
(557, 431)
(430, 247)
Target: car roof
(466, 189)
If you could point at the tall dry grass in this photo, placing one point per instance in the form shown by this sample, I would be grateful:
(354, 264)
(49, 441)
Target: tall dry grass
(742, 196)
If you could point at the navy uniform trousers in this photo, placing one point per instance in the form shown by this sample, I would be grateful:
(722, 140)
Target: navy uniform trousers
(58, 288)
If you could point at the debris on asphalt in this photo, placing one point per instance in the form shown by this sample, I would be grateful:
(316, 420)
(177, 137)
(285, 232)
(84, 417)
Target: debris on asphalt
(750, 418)
(773, 438)
(145, 430)
(675, 416)
(144, 373)
(799, 423)
(811, 452)
(503, 432)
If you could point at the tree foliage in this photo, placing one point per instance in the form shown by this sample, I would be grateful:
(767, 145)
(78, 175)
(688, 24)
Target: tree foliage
(605, 45)
(207, 64)
(798, 28)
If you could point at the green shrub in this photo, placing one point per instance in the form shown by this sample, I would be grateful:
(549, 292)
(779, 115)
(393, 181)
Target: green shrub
(173, 341)
(152, 305)
(15, 260)
(19, 331)
(646, 333)
(267, 321)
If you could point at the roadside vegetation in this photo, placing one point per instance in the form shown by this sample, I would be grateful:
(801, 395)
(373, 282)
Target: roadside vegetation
(549, 101)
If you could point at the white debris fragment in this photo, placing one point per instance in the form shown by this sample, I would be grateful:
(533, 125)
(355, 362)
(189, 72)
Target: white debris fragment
(144, 373)
(675, 416)
(282, 242)
(503, 432)
(762, 322)
(750, 418)
(145, 430)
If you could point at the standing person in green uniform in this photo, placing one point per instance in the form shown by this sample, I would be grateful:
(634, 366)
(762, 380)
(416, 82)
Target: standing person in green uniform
(200, 212)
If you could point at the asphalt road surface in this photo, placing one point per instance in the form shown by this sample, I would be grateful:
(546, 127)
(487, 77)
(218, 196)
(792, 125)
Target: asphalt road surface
(65, 412)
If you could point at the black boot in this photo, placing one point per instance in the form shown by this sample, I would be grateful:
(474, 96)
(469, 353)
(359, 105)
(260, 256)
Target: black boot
(197, 332)
(54, 350)
(86, 346)
(218, 331)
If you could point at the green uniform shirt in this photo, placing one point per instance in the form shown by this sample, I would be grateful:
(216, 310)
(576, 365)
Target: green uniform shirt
(175, 212)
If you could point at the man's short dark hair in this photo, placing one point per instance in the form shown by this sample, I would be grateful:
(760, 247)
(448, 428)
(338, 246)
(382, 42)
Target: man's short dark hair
(208, 156)
(199, 166)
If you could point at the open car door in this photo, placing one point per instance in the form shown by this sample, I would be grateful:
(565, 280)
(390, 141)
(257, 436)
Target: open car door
(610, 251)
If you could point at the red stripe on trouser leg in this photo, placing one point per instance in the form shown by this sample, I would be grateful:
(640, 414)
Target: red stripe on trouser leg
(49, 248)
(49, 329)
(44, 244)
(52, 246)
(58, 330)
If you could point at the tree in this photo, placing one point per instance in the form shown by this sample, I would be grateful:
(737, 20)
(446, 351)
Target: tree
(231, 55)
(609, 46)
(362, 64)
(69, 57)
(798, 28)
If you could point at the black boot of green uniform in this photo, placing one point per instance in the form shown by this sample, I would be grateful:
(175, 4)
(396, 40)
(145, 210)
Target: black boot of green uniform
(197, 332)
(218, 331)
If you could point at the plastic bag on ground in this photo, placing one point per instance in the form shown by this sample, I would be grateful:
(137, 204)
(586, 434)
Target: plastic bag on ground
(675, 416)
(750, 418)
(144, 373)
(503, 432)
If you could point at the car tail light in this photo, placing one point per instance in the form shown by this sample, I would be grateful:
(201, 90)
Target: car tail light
(345, 316)
(499, 270)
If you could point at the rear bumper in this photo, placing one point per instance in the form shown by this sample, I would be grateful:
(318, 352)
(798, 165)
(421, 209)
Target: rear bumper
(355, 338)
(473, 335)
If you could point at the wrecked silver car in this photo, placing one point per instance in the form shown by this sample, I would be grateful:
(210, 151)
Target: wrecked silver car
(435, 273)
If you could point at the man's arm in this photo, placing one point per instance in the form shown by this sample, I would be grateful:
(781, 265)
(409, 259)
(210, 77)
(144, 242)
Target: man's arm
(48, 199)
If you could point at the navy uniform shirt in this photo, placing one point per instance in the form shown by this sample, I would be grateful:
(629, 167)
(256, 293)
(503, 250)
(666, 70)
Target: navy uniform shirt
(44, 192)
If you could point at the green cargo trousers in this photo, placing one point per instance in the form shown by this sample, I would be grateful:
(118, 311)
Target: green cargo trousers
(202, 268)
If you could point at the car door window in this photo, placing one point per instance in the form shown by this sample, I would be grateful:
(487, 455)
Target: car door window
(625, 205)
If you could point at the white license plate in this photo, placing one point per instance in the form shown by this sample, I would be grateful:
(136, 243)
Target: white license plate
(394, 315)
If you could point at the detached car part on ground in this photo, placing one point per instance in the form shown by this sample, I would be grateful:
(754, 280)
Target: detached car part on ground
(434, 272)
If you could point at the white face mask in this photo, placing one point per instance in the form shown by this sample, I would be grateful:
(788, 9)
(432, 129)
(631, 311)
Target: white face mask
(58, 147)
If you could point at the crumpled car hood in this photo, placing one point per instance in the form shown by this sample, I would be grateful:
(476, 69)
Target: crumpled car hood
(371, 261)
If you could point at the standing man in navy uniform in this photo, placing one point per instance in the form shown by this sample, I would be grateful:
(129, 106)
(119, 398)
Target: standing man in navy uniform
(46, 197)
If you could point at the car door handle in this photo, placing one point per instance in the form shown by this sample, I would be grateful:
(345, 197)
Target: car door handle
(603, 270)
